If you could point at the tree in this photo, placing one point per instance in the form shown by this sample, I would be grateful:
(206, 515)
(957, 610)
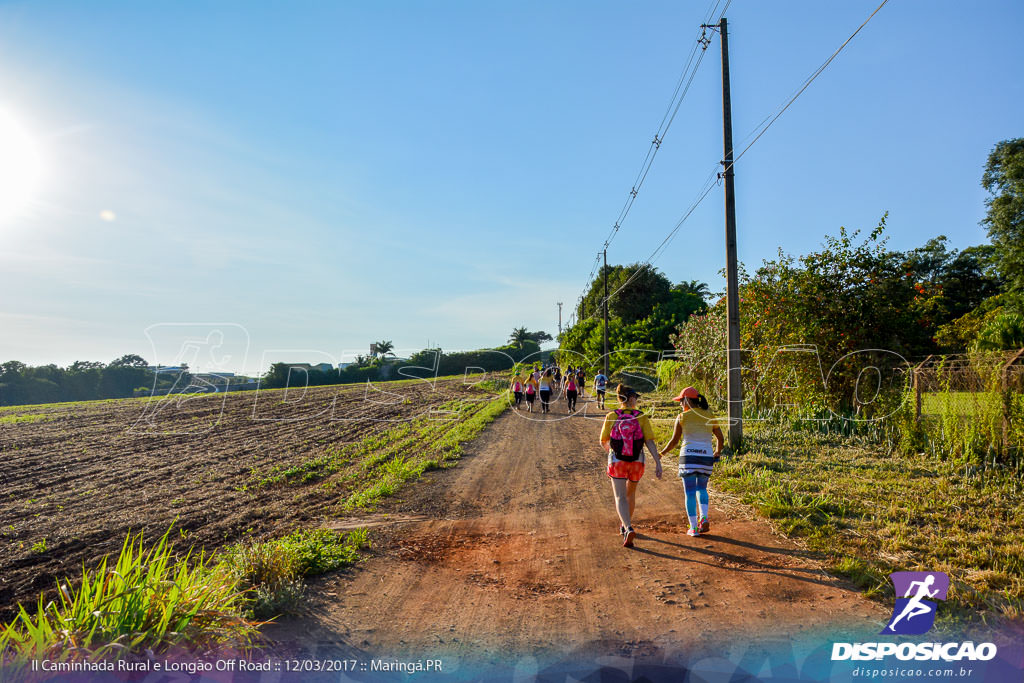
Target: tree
(539, 337)
(956, 282)
(1004, 179)
(384, 348)
(519, 336)
(655, 331)
(85, 366)
(701, 289)
(633, 291)
(129, 360)
(849, 296)
(11, 370)
(1002, 332)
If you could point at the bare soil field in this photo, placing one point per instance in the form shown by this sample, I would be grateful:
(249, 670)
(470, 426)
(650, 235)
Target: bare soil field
(516, 553)
(75, 479)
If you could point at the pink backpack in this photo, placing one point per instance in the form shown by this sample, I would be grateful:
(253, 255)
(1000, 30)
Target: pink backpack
(627, 436)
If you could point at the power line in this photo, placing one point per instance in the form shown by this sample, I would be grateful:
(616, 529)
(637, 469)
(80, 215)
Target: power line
(683, 84)
(678, 95)
(810, 79)
(711, 181)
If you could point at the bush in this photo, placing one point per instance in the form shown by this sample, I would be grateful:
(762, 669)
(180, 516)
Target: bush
(1003, 331)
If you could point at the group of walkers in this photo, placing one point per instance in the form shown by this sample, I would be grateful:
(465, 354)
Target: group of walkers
(627, 432)
(546, 382)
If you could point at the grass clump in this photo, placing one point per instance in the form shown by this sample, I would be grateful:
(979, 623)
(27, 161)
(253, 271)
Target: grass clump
(318, 551)
(149, 600)
(19, 419)
(271, 572)
(270, 580)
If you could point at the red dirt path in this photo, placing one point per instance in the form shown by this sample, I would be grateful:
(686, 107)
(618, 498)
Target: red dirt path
(516, 550)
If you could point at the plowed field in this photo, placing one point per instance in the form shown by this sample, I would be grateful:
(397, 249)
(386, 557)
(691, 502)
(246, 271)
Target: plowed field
(75, 479)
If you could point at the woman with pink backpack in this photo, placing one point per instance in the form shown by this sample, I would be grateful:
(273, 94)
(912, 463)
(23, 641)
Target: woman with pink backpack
(571, 391)
(625, 433)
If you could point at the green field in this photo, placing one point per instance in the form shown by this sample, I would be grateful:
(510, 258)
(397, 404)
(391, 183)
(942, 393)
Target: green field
(960, 402)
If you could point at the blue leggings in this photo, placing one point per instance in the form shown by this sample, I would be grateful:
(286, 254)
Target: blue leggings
(696, 487)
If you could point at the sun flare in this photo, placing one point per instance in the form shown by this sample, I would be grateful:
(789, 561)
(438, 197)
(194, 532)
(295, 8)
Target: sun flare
(20, 167)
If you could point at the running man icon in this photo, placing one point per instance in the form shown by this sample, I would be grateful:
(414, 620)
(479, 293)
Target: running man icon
(913, 612)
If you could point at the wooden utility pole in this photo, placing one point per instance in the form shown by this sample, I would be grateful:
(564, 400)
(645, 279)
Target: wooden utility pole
(732, 297)
(605, 252)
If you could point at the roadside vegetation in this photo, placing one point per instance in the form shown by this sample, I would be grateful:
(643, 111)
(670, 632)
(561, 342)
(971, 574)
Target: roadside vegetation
(867, 510)
(151, 600)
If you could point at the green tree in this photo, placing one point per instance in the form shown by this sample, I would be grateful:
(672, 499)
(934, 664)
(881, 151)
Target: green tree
(1004, 179)
(847, 297)
(519, 336)
(384, 348)
(85, 366)
(129, 360)
(11, 370)
(1003, 331)
(700, 289)
(960, 280)
(633, 291)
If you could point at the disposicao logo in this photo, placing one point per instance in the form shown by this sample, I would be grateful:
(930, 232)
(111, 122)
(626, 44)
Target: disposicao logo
(914, 613)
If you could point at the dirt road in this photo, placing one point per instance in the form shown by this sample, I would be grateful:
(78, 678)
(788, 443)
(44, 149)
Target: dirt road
(516, 552)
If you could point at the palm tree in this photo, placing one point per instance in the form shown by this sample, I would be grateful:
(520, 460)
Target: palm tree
(384, 349)
(701, 289)
(519, 336)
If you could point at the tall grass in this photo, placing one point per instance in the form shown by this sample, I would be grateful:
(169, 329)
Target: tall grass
(148, 600)
(152, 601)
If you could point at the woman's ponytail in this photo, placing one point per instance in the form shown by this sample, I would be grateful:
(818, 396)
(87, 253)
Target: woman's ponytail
(702, 401)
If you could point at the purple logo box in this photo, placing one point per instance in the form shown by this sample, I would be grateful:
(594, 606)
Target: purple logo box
(914, 611)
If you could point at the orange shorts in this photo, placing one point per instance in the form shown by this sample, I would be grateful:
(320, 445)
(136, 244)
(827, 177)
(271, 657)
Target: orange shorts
(626, 470)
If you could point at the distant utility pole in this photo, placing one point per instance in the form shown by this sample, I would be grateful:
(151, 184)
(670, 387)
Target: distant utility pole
(732, 297)
(559, 318)
(605, 252)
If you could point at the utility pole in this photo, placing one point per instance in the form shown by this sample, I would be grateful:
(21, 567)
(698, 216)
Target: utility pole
(732, 297)
(559, 318)
(605, 252)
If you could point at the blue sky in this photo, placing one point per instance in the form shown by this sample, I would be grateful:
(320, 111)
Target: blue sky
(329, 174)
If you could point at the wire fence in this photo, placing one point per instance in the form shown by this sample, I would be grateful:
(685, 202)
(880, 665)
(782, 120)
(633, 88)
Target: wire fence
(966, 407)
(972, 401)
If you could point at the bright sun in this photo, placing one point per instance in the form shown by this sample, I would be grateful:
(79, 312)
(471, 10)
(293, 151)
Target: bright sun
(20, 167)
